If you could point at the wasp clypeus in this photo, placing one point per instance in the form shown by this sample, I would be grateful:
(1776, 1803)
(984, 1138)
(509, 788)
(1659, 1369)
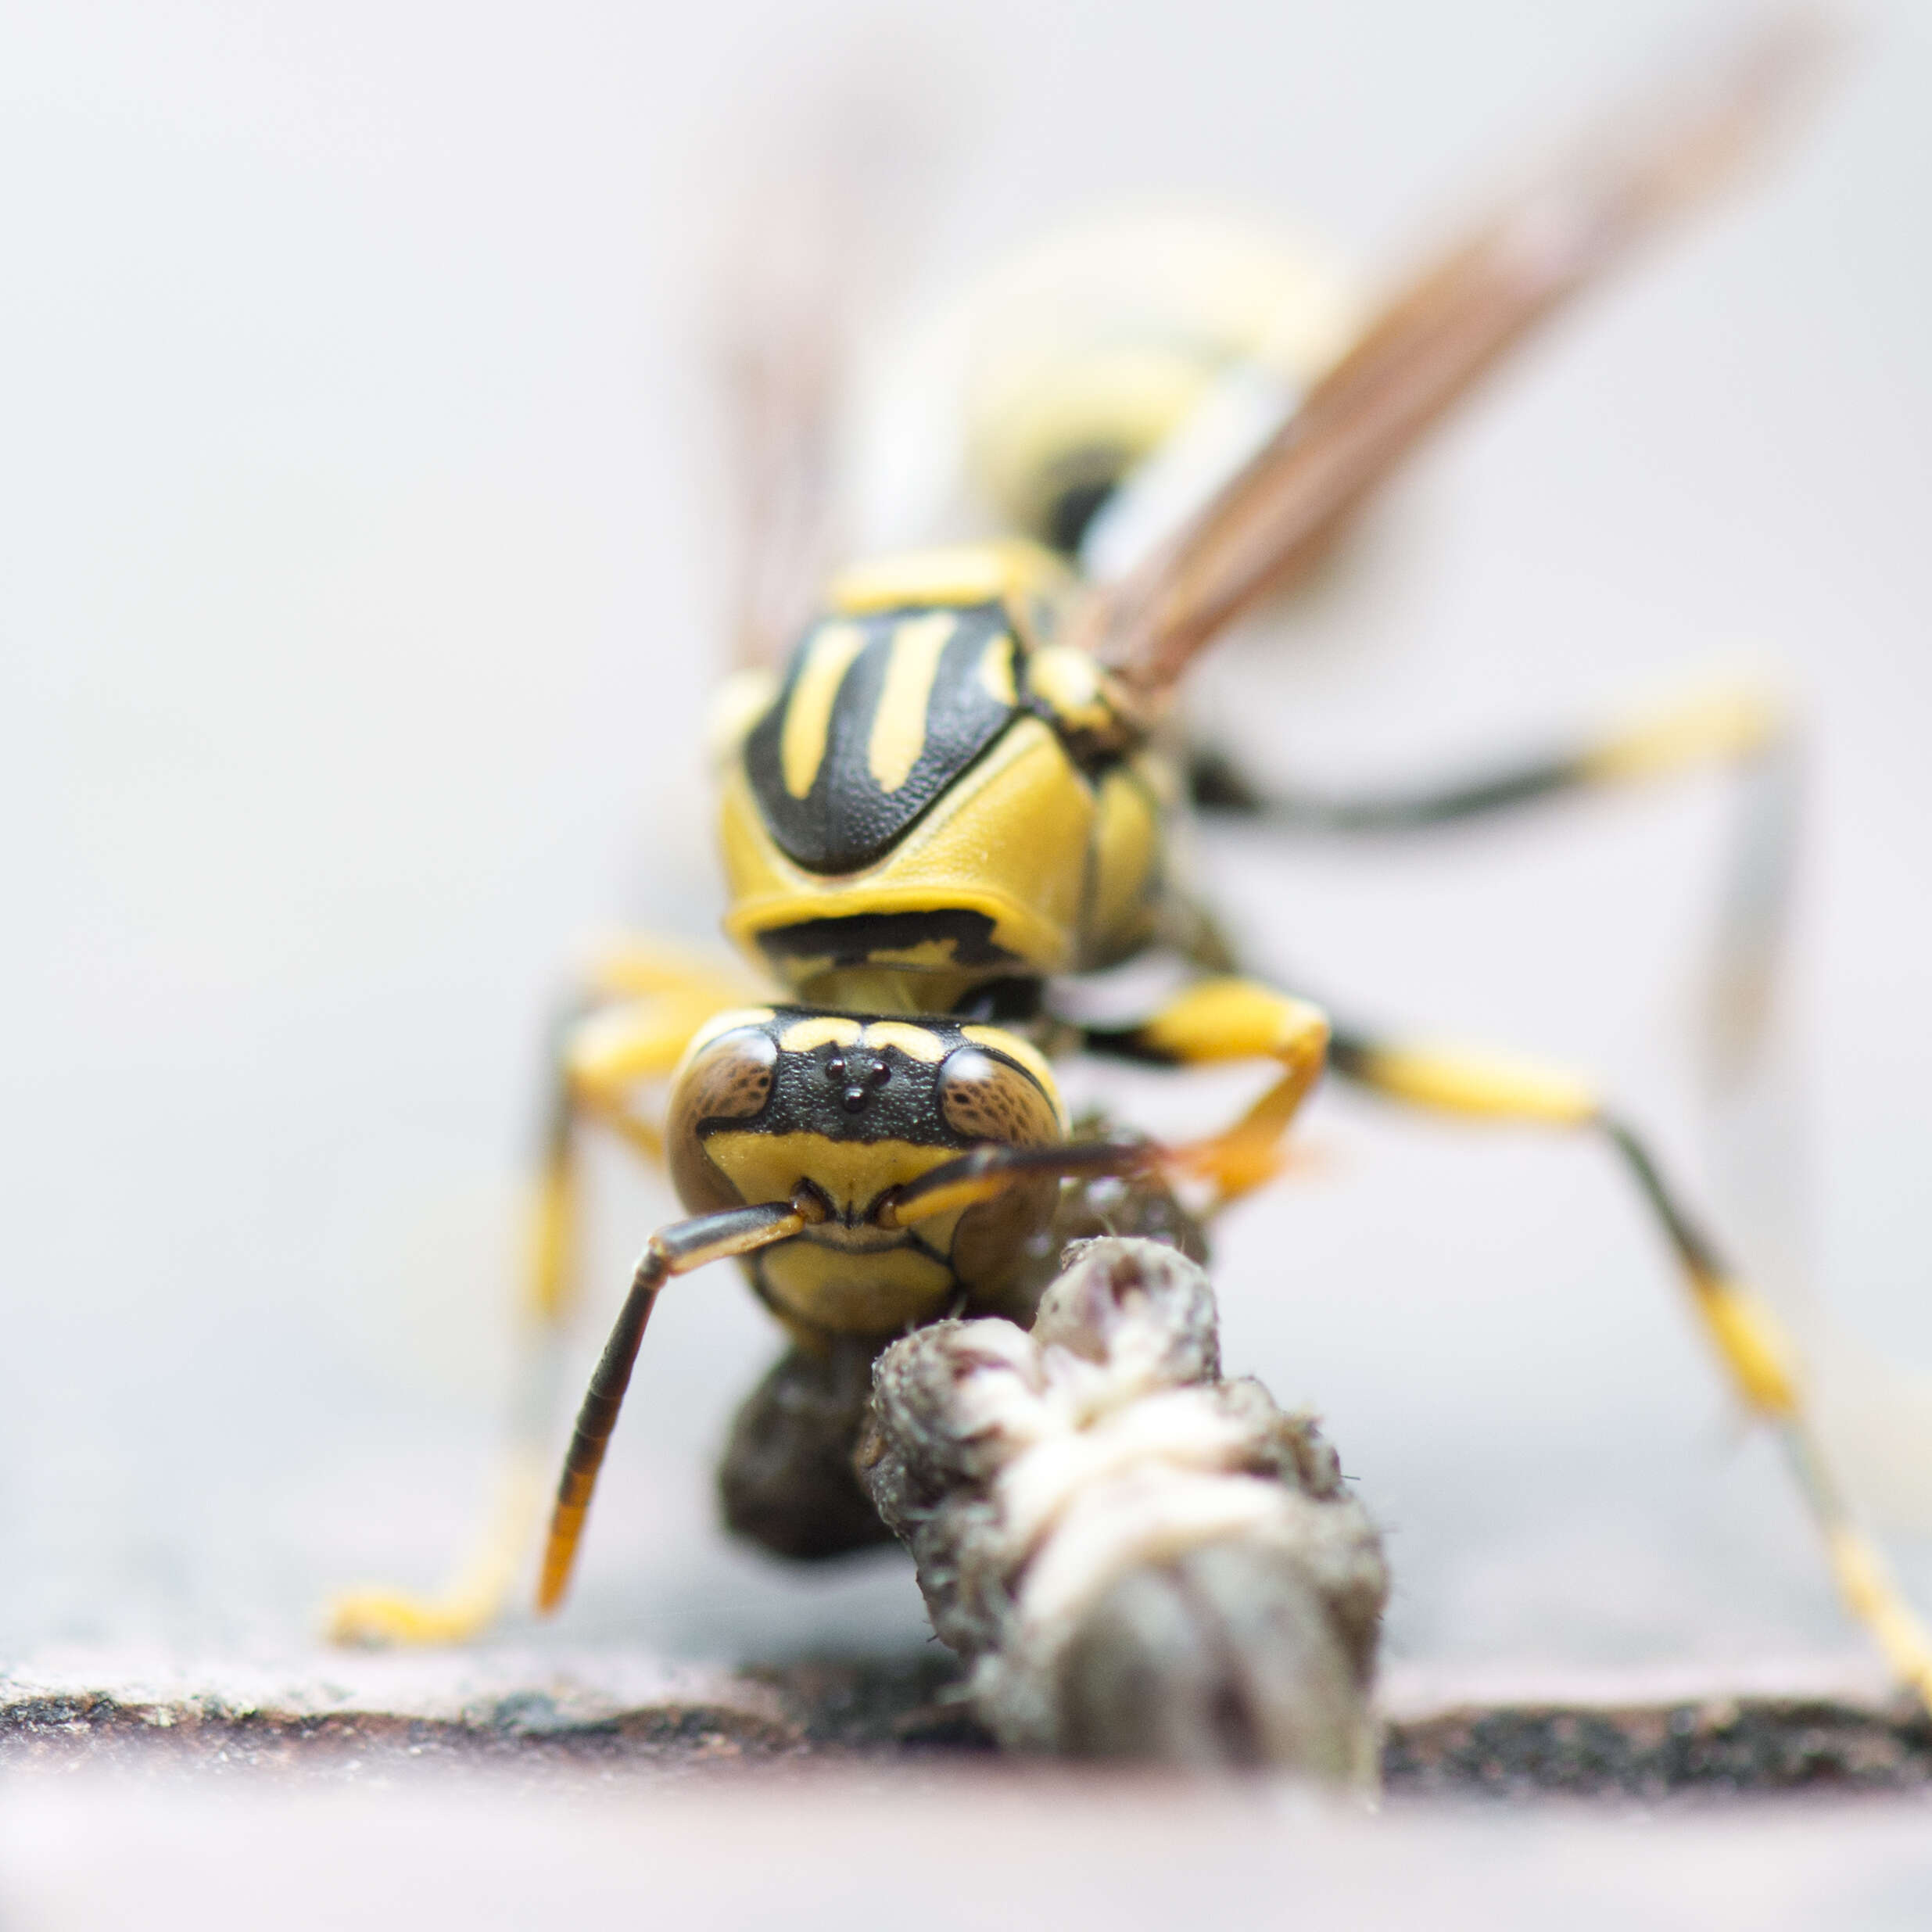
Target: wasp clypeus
(961, 791)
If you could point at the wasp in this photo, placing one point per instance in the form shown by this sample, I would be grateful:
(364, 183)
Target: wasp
(962, 792)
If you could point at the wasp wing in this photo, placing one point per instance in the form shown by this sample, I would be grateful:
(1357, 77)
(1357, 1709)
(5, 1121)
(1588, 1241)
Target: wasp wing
(1441, 330)
(826, 197)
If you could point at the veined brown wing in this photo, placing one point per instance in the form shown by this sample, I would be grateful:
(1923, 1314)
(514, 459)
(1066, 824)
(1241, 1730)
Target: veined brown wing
(827, 197)
(1438, 334)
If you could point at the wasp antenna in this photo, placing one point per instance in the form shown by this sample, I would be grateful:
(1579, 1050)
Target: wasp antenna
(672, 1251)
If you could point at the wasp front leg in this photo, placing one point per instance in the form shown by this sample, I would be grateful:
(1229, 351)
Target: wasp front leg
(635, 1012)
(1220, 1019)
(1758, 1357)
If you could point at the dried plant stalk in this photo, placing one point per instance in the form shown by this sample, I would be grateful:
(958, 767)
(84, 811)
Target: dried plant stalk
(1138, 1558)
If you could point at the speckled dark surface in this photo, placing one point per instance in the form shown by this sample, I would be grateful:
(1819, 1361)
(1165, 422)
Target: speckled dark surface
(881, 1710)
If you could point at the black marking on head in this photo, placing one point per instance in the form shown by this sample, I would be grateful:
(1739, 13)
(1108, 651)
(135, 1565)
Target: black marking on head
(858, 1093)
(852, 1091)
(858, 938)
(847, 820)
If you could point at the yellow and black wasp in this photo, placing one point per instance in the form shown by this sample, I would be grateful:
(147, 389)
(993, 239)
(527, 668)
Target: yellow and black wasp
(961, 790)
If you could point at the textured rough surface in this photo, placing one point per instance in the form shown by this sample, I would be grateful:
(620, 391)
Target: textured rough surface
(1713, 1744)
(539, 1719)
(1137, 1558)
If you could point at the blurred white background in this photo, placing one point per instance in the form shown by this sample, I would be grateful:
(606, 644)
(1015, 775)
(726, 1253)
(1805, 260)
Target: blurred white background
(360, 596)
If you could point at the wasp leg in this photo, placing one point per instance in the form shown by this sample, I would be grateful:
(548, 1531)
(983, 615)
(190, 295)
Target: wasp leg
(1717, 725)
(1741, 725)
(1217, 1019)
(1757, 1354)
(672, 1251)
(639, 1005)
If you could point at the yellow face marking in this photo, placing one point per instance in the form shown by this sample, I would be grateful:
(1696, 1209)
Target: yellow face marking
(853, 1173)
(821, 1029)
(872, 1294)
(808, 717)
(1027, 1055)
(898, 726)
(996, 670)
(914, 1042)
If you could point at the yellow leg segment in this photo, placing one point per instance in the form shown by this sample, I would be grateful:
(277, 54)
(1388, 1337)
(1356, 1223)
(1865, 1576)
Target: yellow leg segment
(1723, 722)
(642, 1004)
(1718, 723)
(1757, 1353)
(1741, 725)
(1220, 1020)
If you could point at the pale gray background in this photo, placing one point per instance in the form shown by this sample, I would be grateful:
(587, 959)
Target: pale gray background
(357, 611)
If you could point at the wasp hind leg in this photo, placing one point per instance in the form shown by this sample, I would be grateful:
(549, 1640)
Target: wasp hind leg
(1758, 1357)
(1716, 724)
(1734, 724)
(638, 1007)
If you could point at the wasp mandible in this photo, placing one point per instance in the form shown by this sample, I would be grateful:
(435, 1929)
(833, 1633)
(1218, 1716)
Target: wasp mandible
(961, 790)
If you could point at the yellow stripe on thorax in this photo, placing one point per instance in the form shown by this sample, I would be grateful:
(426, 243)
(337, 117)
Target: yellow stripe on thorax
(996, 670)
(898, 726)
(880, 1293)
(808, 715)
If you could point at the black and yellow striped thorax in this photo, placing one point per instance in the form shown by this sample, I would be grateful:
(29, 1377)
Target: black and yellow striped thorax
(877, 717)
(939, 786)
(769, 1100)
